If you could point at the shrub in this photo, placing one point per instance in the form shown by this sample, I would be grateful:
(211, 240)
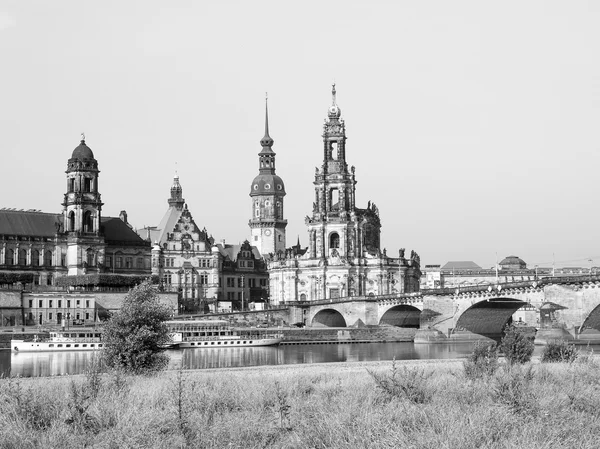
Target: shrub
(517, 347)
(512, 387)
(483, 361)
(408, 383)
(134, 336)
(559, 351)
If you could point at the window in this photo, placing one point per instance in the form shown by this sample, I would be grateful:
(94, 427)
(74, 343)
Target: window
(48, 258)
(334, 241)
(87, 315)
(139, 262)
(88, 222)
(109, 261)
(59, 303)
(230, 282)
(22, 257)
(87, 185)
(68, 303)
(10, 257)
(71, 221)
(119, 262)
(30, 303)
(77, 303)
(71, 184)
(242, 264)
(63, 260)
(90, 257)
(35, 258)
(50, 303)
(50, 316)
(203, 278)
(41, 303)
(87, 303)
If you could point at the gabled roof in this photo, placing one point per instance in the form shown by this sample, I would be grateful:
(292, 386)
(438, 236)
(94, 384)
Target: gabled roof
(461, 265)
(30, 223)
(167, 224)
(118, 232)
(231, 251)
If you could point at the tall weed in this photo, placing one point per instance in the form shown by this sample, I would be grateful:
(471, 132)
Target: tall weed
(513, 388)
(482, 362)
(559, 351)
(406, 383)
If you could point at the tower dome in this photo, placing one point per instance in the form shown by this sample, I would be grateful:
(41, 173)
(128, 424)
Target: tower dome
(82, 151)
(267, 184)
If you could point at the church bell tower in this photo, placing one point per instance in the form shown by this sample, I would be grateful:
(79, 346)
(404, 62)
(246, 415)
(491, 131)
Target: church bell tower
(267, 225)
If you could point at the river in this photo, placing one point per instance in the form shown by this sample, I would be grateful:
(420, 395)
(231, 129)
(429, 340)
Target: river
(62, 363)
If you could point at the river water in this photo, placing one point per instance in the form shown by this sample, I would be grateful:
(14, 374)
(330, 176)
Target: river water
(61, 363)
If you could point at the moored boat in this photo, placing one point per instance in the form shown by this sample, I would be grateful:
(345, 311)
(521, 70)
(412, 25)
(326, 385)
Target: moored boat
(62, 340)
(216, 334)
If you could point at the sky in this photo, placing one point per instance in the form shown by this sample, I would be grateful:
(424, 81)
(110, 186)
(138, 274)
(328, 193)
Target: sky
(473, 125)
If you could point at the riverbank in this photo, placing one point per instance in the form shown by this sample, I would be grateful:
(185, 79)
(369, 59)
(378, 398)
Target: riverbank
(341, 405)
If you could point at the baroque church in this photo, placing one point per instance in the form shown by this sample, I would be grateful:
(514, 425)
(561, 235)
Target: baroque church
(344, 256)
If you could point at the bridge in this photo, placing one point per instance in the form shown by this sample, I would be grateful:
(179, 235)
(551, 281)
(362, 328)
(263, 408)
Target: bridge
(562, 307)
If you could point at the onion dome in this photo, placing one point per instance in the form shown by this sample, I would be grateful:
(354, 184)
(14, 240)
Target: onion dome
(82, 151)
(334, 110)
(267, 184)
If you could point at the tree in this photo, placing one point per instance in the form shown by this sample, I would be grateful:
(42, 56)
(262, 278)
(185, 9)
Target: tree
(133, 337)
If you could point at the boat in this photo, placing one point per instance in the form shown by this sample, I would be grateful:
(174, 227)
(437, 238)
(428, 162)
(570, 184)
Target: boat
(216, 334)
(61, 340)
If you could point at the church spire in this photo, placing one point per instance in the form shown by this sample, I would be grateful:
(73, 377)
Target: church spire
(266, 141)
(176, 199)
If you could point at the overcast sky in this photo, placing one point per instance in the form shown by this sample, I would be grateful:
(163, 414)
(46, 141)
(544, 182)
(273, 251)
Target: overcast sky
(473, 125)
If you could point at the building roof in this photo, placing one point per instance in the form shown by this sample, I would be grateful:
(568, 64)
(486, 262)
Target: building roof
(82, 151)
(166, 225)
(117, 231)
(461, 265)
(513, 260)
(231, 251)
(29, 223)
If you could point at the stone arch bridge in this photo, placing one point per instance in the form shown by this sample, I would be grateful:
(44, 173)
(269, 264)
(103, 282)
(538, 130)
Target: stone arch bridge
(566, 307)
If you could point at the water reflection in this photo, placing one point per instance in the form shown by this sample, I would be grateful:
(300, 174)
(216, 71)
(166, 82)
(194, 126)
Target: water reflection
(60, 363)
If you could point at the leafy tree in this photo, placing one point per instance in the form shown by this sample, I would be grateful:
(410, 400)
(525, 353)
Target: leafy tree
(516, 346)
(134, 335)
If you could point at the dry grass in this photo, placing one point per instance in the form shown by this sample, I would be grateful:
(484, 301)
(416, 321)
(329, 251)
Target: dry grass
(311, 406)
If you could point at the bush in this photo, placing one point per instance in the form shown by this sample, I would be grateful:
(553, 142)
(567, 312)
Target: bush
(513, 388)
(483, 361)
(134, 336)
(559, 351)
(408, 383)
(517, 348)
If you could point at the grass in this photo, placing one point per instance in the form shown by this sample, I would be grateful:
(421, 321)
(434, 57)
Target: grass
(353, 405)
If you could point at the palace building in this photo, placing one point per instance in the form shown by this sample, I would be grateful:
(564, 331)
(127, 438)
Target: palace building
(208, 276)
(344, 257)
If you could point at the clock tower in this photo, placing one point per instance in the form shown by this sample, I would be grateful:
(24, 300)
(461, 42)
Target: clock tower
(267, 225)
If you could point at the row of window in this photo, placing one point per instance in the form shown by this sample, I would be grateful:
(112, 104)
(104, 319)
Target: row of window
(204, 263)
(202, 278)
(231, 281)
(127, 262)
(59, 303)
(57, 317)
(12, 257)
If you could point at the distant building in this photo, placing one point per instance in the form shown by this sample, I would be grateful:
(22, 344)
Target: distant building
(344, 256)
(49, 251)
(207, 276)
(510, 269)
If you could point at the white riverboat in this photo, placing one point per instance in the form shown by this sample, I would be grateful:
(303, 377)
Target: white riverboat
(61, 340)
(216, 334)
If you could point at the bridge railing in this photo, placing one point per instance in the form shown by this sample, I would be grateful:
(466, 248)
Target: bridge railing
(409, 297)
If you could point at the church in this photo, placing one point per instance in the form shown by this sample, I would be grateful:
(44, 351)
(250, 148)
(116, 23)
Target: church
(344, 256)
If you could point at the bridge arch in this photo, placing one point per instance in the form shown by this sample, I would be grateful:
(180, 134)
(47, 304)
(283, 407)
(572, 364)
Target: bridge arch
(328, 318)
(401, 315)
(593, 319)
(488, 318)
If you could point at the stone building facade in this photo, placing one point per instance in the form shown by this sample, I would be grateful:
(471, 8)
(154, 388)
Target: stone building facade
(344, 255)
(38, 250)
(207, 275)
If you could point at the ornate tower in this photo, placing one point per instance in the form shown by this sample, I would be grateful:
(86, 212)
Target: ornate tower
(176, 199)
(267, 225)
(337, 227)
(81, 212)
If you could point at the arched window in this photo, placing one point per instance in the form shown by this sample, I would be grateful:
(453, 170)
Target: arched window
(71, 221)
(10, 257)
(22, 257)
(334, 241)
(35, 258)
(303, 297)
(88, 222)
(48, 258)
